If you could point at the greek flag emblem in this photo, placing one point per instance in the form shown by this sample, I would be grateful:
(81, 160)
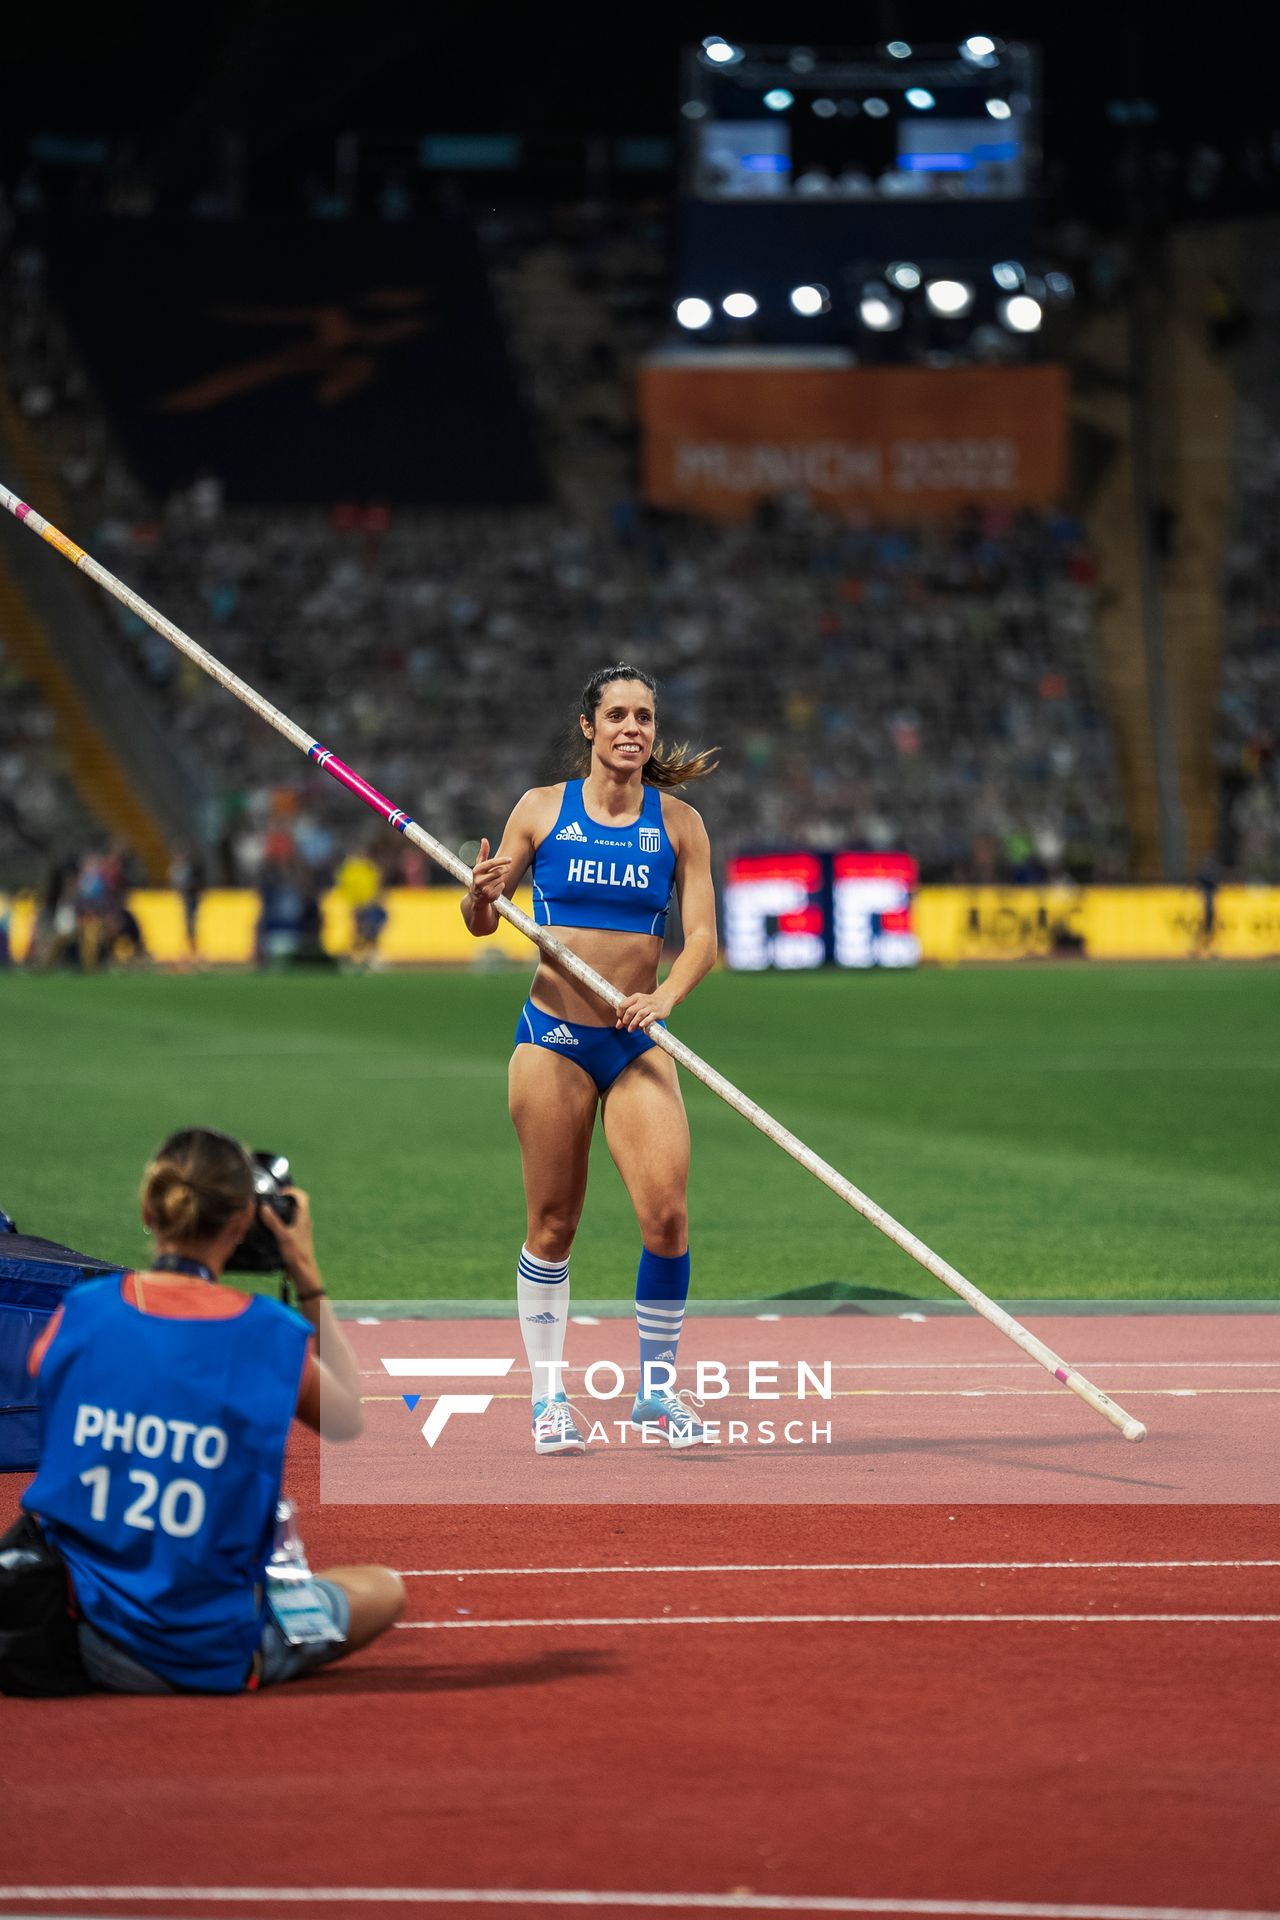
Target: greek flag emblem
(650, 840)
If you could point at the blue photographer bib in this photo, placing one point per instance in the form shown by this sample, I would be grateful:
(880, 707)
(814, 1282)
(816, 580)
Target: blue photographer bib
(615, 878)
(162, 1445)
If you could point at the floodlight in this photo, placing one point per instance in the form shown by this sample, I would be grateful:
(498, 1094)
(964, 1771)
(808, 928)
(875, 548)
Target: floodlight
(693, 313)
(1021, 314)
(949, 297)
(879, 309)
(809, 301)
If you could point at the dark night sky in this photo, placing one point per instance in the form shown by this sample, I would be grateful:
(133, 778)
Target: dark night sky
(293, 73)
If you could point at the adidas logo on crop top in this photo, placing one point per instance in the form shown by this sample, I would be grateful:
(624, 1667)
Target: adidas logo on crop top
(616, 878)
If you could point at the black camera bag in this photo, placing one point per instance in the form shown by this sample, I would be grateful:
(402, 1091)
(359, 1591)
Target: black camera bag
(39, 1643)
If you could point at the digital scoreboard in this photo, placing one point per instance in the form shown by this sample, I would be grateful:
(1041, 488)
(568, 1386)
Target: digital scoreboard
(775, 911)
(795, 910)
(776, 123)
(871, 910)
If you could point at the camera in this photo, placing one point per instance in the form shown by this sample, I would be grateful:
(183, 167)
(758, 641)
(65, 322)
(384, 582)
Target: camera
(259, 1251)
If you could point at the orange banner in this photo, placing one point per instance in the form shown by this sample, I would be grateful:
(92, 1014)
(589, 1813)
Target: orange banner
(908, 443)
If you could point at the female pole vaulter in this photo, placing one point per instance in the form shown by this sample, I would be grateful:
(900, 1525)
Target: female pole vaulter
(605, 851)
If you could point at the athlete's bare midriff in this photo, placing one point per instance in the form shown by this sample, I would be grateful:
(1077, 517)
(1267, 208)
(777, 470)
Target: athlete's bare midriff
(628, 960)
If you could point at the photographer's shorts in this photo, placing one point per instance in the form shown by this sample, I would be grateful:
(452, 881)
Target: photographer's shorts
(115, 1671)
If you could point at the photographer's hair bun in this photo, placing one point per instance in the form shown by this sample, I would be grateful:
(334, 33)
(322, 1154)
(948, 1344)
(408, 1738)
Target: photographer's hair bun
(196, 1182)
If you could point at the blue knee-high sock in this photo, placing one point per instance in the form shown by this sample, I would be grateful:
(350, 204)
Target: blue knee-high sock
(662, 1287)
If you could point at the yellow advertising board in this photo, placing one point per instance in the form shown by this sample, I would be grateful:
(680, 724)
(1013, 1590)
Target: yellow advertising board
(954, 924)
(1095, 923)
(423, 924)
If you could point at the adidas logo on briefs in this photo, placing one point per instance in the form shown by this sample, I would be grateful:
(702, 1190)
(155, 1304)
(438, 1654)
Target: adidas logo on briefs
(559, 1037)
(541, 1319)
(572, 832)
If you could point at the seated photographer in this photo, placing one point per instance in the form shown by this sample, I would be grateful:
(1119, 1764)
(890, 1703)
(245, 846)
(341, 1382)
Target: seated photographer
(165, 1405)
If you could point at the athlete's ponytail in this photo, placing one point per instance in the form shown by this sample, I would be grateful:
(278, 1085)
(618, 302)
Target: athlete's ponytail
(661, 769)
(675, 768)
(197, 1182)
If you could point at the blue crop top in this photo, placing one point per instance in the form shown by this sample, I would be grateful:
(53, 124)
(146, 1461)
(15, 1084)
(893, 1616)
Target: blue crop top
(616, 878)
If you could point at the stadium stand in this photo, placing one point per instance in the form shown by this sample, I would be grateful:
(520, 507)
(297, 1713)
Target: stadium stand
(881, 686)
(583, 290)
(935, 690)
(1247, 744)
(41, 817)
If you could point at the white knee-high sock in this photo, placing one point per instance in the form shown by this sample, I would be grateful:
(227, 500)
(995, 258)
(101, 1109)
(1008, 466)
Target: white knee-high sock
(542, 1293)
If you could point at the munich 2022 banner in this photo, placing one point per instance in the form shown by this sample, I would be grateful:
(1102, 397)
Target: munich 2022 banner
(906, 443)
(307, 361)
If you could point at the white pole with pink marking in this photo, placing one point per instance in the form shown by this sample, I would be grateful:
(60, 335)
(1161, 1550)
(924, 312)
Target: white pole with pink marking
(772, 1129)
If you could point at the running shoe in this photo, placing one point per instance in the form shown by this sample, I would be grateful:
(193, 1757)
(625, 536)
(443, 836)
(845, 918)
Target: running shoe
(554, 1428)
(673, 1418)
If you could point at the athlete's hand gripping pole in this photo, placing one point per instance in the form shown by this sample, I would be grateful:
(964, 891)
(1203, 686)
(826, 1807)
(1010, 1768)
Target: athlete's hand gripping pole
(772, 1129)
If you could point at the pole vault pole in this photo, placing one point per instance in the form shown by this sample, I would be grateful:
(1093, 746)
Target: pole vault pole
(773, 1130)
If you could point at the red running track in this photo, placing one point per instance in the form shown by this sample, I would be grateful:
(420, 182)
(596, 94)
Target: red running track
(1100, 1762)
(920, 1410)
(683, 1733)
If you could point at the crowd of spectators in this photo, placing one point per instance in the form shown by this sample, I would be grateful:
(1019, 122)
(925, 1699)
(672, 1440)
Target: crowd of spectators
(1248, 730)
(48, 386)
(1247, 738)
(43, 824)
(40, 812)
(931, 689)
(584, 291)
(83, 918)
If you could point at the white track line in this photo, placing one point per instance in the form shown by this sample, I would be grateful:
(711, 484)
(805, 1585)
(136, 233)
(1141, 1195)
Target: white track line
(984, 1366)
(838, 1566)
(700, 1902)
(855, 1620)
(900, 1366)
(927, 1393)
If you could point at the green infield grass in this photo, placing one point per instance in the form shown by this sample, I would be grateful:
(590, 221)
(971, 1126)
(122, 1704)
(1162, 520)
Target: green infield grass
(1064, 1133)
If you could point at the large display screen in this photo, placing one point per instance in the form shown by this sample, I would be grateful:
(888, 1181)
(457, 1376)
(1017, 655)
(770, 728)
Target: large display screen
(799, 909)
(940, 123)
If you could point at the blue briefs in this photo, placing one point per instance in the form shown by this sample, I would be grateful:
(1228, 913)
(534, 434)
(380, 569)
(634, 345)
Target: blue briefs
(602, 1052)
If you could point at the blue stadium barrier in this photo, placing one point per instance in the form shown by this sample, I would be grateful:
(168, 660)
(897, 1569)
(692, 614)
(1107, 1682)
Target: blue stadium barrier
(35, 1276)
